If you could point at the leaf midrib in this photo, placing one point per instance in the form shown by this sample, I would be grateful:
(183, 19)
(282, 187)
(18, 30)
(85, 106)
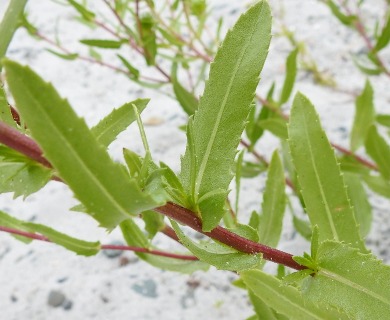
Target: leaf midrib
(327, 209)
(289, 301)
(334, 276)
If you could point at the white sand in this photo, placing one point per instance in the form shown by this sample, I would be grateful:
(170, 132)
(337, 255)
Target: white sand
(98, 287)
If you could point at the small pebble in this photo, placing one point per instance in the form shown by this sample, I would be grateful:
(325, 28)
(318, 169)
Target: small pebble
(111, 254)
(56, 298)
(146, 289)
(68, 304)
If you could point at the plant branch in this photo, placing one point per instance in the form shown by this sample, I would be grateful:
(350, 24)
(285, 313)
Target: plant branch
(104, 246)
(227, 237)
(11, 138)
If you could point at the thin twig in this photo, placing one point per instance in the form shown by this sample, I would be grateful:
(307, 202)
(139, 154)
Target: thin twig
(39, 237)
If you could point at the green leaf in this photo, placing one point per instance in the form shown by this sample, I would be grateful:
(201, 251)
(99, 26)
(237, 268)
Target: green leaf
(359, 201)
(78, 246)
(364, 117)
(378, 184)
(379, 151)
(315, 242)
(263, 311)
(319, 176)
(133, 161)
(117, 121)
(347, 20)
(246, 231)
(173, 186)
(384, 38)
(154, 222)
(146, 30)
(240, 159)
(69, 56)
(8, 221)
(186, 99)
(253, 129)
(274, 204)
(383, 119)
(284, 299)
(132, 70)
(350, 164)
(349, 280)
(291, 73)
(250, 169)
(85, 13)
(276, 126)
(9, 24)
(21, 175)
(365, 66)
(97, 181)
(223, 109)
(104, 44)
(171, 38)
(220, 256)
(303, 227)
(5, 110)
(135, 237)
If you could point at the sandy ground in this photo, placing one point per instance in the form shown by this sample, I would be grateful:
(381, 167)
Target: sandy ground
(99, 287)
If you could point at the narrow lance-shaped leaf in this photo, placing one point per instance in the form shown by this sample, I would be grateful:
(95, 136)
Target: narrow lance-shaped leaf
(383, 119)
(291, 73)
(364, 116)
(343, 18)
(240, 159)
(286, 300)
(103, 44)
(276, 126)
(117, 121)
(263, 311)
(85, 13)
(21, 175)
(148, 38)
(134, 72)
(220, 256)
(186, 99)
(81, 247)
(8, 221)
(9, 24)
(222, 111)
(359, 201)
(378, 184)
(319, 176)
(97, 181)
(78, 246)
(347, 279)
(274, 204)
(379, 150)
(69, 56)
(384, 37)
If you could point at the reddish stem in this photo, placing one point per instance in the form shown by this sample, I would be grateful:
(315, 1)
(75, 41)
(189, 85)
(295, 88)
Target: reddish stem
(227, 237)
(19, 142)
(104, 246)
(169, 232)
(171, 210)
